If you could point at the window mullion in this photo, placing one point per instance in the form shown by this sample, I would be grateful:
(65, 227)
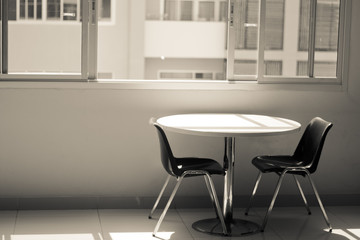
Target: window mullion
(344, 30)
(312, 33)
(92, 44)
(85, 39)
(230, 53)
(4, 37)
(261, 40)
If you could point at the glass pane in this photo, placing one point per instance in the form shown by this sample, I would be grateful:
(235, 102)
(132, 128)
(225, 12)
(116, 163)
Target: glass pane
(273, 68)
(206, 11)
(275, 54)
(22, 9)
(53, 9)
(246, 18)
(304, 25)
(170, 10)
(70, 10)
(39, 9)
(164, 40)
(321, 69)
(153, 10)
(31, 9)
(246, 14)
(274, 28)
(326, 37)
(186, 10)
(42, 46)
(176, 75)
(204, 76)
(223, 11)
(302, 68)
(245, 67)
(105, 9)
(12, 10)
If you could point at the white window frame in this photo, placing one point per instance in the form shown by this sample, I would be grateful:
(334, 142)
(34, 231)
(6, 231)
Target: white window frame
(88, 49)
(342, 52)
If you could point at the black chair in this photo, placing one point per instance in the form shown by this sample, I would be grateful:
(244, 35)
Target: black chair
(186, 167)
(303, 162)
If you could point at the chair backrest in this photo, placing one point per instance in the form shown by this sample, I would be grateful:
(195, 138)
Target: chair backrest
(167, 158)
(311, 143)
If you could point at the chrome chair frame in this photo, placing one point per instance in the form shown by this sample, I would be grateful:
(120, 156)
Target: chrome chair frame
(277, 188)
(212, 192)
(298, 168)
(169, 162)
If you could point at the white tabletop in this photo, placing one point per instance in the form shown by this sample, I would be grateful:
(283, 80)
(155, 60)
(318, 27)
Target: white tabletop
(228, 125)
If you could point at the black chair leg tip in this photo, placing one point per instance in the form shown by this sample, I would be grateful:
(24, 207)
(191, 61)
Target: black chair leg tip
(309, 213)
(330, 230)
(149, 217)
(246, 214)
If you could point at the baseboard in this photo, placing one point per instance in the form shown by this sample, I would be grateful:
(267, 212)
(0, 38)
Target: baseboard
(64, 203)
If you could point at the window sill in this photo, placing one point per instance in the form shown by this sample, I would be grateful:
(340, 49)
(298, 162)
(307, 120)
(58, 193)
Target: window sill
(172, 85)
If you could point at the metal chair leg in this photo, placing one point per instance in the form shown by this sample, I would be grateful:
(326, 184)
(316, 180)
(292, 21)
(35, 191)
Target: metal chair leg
(211, 196)
(253, 193)
(273, 200)
(302, 194)
(159, 197)
(167, 205)
(217, 205)
(319, 201)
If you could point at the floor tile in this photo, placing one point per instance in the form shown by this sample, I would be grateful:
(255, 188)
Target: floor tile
(294, 223)
(134, 224)
(348, 223)
(190, 216)
(59, 224)
(7, 224)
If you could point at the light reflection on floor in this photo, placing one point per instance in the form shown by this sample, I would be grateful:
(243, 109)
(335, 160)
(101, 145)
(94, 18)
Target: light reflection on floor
(133, 224)
(140, 235)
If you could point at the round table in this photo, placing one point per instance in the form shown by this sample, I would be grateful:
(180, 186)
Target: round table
(228, 126)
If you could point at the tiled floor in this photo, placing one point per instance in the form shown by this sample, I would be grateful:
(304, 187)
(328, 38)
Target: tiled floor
(284, 223)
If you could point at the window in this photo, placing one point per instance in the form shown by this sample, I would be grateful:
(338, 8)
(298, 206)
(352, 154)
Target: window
(237, 40)
(29, 9)
(206, 11)
(321, 69)
(186, 10)
(105, 9)
(53, 9)
(70, 10)
(289, 48)
(43, 49)
(248, 67)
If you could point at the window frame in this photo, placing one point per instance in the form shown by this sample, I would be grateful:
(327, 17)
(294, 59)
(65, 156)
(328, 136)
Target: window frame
(89, 51)
(89, 27)
(261, 78)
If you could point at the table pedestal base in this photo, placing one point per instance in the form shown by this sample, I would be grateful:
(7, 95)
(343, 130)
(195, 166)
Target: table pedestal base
(239, 227)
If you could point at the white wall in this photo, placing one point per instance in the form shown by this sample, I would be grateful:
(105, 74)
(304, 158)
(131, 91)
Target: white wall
(89, 141)
(169, 38)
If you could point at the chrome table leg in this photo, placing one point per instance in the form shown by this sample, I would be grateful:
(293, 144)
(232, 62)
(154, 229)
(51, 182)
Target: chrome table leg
(236, 227)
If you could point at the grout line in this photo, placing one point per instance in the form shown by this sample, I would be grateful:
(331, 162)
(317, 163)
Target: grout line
(101, 235)
(15, 223)
(182, 220)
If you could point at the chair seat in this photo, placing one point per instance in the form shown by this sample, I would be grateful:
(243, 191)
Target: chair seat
(205, 164)
(276, 163)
